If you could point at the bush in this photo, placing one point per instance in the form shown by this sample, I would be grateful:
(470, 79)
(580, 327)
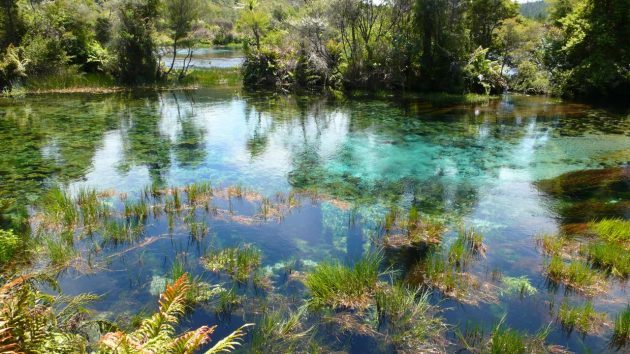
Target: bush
(12, 67)
(530, 79)
(264, 69)
(45, 54)
(483, 75)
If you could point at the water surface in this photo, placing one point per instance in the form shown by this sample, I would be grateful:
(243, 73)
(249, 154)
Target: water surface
(475, 165)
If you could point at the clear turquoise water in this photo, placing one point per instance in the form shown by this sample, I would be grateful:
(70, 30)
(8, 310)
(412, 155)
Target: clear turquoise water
(471, 164)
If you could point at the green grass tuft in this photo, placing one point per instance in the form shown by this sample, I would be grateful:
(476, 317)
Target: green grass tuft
(609, 256)
(583, 318)
(336, 285)
(238, 262)
(612, 230)
(9, 243)
(621, 331)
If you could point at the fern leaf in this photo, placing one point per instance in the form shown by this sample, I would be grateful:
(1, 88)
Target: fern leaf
(230, 342)
(190, 341)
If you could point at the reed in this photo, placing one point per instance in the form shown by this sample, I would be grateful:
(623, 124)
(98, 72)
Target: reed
(59, 251)
(59, 208)
(583, 318)
(335, 285)
(551, 244)
(507, 340)
(138, 209)
(121, 231)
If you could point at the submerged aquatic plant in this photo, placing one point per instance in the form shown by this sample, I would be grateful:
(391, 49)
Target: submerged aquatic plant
(156, 333)
(518, 285)
(621, 330)
(238, 262)
(583, 318)
(335, 285)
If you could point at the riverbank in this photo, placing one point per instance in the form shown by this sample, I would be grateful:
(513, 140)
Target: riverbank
(97, 83)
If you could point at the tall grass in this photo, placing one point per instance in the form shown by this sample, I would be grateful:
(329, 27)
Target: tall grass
(576, 274)
(213, 77)
(335, 285)
(507, 340)
(280, 331)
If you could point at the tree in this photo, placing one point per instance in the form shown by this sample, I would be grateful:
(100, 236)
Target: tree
(593, 49)
(254, 20)
(137, 59)
(181, 16)
(11, 23)
(487, 16)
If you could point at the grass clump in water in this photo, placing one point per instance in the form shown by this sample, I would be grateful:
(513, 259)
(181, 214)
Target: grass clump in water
(213, 77)
(551, 244)
(59, 251)
(339, 286)
(59, 208)
(583, 318)
(577, 275)
(621, 330)
(406, 315)
(612, 230)
(609, 256)
(280, 331)
(238, 262)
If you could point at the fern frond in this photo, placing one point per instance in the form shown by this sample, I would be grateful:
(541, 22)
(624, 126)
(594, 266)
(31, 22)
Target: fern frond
(8, 344)
(230, 342)
(190, 341)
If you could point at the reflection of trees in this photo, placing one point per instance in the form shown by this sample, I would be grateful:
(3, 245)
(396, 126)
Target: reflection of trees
(189, 145)
(143, 143)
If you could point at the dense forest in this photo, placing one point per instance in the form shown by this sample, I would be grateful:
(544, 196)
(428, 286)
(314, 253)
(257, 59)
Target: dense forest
(566, 47)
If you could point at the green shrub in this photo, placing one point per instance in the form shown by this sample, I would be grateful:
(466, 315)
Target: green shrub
(12, 67)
